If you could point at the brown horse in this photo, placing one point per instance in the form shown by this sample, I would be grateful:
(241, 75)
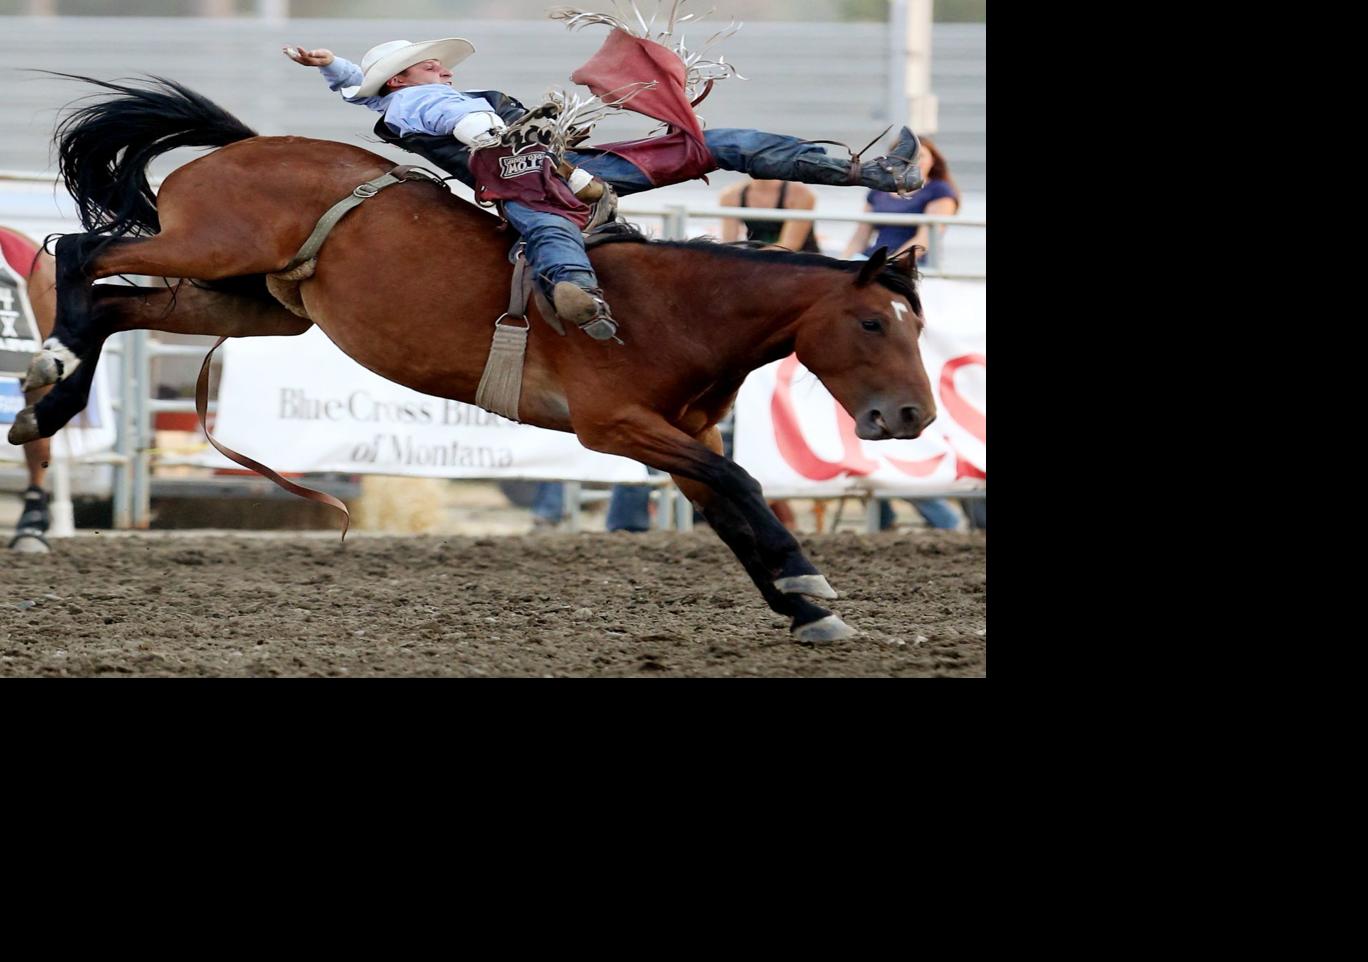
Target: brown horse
(410, 283)
(39, 271)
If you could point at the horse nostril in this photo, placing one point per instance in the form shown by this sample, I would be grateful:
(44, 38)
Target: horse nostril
(911, 414)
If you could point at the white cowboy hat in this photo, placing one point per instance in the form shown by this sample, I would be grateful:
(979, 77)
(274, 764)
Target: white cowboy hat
(383, 61)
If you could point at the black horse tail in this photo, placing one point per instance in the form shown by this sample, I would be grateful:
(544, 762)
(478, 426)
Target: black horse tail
(104, 148)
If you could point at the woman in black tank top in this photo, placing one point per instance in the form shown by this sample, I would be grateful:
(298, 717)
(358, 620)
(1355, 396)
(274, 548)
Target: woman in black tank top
(768, 231)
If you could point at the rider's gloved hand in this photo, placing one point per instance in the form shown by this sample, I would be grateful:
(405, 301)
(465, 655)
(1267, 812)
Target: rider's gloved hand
(309, 58)
(480, 129)
(584, 185)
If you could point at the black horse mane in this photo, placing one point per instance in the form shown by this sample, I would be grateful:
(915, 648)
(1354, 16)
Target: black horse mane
(895, 277)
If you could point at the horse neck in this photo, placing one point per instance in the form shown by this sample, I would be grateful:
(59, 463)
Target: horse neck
(755, 315)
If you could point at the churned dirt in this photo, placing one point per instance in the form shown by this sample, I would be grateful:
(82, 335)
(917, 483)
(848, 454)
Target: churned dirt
(661, 604)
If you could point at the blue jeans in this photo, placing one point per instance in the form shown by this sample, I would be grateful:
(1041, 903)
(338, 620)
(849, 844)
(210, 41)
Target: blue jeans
(627, 506)
(976, 509)
(549, 503)
(936, 512)
(555, 247)
(763, 155)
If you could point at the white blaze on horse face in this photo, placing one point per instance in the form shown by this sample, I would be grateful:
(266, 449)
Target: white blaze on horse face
(899, 308)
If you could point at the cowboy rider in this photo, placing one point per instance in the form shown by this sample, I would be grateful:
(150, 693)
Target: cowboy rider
(409, 84)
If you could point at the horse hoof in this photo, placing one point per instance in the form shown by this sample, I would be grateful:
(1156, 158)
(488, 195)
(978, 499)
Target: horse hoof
(813, 585)
(29, 542)
(45, 368)
(824, 630)
(25, 427)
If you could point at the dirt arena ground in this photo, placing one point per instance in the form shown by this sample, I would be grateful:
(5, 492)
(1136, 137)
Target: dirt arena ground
(661, 604)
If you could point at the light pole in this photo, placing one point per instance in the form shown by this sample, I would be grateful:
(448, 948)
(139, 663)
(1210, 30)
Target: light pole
(273, 11)
(910, 100)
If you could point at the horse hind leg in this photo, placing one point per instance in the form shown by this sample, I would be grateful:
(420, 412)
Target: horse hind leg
(62, 348)
(64, 401)
(185, 309)
(83, 259)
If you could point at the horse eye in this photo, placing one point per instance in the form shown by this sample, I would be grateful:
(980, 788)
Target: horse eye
(871, 324)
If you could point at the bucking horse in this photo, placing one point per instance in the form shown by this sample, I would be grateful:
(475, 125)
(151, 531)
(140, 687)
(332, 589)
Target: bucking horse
(411, 284)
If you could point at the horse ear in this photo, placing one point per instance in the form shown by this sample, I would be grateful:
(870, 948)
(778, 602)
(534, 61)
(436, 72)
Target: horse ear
(871, 268)
(907, 261)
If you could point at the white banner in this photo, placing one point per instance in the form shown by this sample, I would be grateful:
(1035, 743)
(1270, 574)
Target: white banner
(794, 438)
(300, 404)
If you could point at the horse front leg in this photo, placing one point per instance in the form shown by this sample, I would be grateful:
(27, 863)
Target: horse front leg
(735, 507)
(808, 621)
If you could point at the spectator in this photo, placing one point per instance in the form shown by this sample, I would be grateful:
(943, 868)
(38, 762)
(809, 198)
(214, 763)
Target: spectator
(939, 195)
(628, 507)
(21, 259)
(549, 505)
(976, 510)
(796, 235)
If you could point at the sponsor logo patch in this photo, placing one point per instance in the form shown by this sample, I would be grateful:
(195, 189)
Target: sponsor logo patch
(516, 165)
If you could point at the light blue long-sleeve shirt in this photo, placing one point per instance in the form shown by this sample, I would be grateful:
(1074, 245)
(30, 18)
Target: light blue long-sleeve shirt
(424, 109)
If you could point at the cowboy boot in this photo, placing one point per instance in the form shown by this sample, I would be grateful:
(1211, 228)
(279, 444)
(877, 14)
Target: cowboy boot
(894, 173)
(585, 308)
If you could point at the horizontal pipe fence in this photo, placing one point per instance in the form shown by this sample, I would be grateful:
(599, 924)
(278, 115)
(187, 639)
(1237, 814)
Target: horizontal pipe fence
(135, 408)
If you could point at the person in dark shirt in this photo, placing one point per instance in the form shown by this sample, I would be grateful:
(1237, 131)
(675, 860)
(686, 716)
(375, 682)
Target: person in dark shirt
(796, 235)
(938, 195)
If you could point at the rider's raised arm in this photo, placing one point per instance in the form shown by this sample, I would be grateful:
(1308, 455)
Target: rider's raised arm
(343, 73)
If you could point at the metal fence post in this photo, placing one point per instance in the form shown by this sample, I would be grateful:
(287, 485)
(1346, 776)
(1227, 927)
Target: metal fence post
(143, 435)
(63, 515)
(665, 507)
(872, 515)
(676, 222)
(124, 442)
(570, 504)
(683, 511)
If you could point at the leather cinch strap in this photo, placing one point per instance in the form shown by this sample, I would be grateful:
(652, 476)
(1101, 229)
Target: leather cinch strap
(362, 192)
